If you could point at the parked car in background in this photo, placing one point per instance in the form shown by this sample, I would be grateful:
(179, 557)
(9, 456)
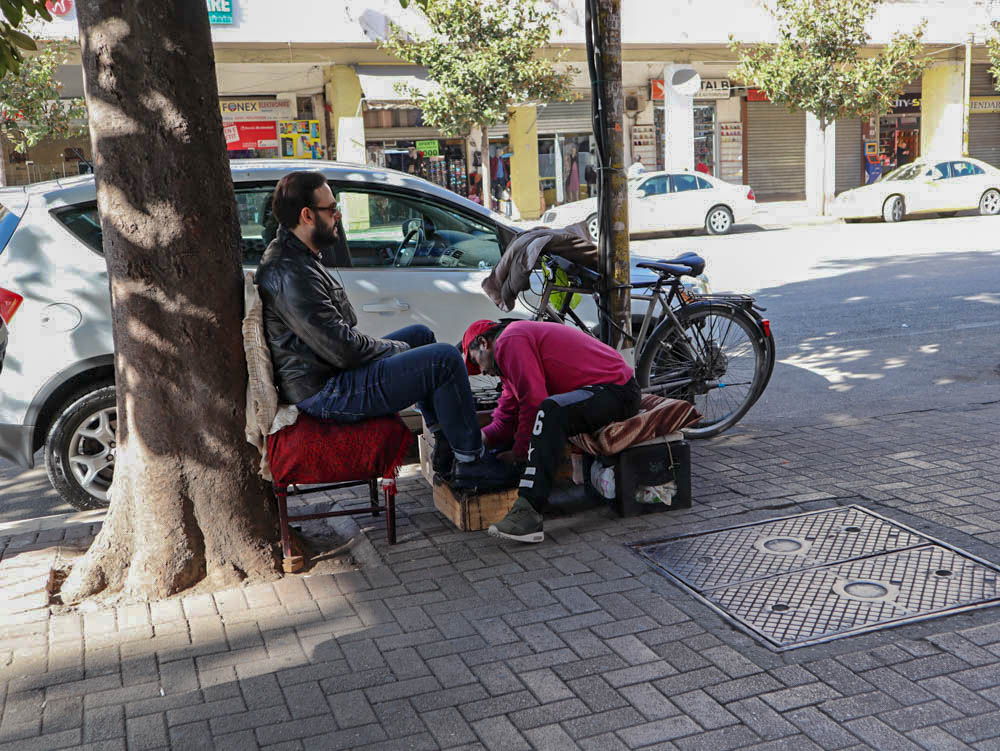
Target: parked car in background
(940, 186)
(662, 201)
(416, 253)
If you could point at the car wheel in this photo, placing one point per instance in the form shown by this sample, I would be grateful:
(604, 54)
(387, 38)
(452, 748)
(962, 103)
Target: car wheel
(893, 210)
(719, 220)
(80, 450)
(989, 204)
(593, 227)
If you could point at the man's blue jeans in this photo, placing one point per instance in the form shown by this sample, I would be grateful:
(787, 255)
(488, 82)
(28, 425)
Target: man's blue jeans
(431, 375)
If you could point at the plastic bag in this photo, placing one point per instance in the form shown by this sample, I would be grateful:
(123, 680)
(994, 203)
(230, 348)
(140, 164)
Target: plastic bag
(603, 480)
(657, 494)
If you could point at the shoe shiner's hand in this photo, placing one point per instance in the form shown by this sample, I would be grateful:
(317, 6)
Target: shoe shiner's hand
(509, 457)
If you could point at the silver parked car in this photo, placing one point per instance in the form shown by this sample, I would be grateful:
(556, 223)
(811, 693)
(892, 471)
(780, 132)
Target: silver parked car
(57, 385)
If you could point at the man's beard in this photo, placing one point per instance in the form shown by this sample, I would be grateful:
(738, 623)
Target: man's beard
(324, 236)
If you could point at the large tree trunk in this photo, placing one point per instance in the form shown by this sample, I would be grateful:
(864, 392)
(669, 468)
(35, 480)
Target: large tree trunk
(487, 190)
(3, 162)
(604, 34)
(186, 502)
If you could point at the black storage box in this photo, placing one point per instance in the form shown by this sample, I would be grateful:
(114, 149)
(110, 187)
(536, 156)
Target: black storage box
(645, 466)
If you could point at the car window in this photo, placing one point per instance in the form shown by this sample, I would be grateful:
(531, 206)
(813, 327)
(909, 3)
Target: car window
(906, 172)
(84, 222)
(682, 183)
(964, 169)
(704, 184)
(391, 230)
(257, 223)
(655, 186)
(8, 223)
(976, 169)
(940, 171)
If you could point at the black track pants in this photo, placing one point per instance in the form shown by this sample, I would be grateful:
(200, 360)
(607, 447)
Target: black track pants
(582, 411)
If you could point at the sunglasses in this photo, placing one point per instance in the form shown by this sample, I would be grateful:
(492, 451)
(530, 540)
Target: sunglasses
(333, 207)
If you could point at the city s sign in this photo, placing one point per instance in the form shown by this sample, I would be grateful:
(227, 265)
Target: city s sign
(220, 12)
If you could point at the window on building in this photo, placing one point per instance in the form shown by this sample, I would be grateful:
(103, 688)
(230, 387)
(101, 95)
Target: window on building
(389, 230)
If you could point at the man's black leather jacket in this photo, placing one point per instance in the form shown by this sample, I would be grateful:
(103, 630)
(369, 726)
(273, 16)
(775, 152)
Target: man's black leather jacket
(309, 322)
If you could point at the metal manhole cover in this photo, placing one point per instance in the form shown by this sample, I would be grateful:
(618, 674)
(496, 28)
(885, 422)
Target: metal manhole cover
(755, 551)
(796, 595)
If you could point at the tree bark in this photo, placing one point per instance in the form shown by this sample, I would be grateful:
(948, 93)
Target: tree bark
(487, 191)
(823, 123)
(3, 162)
(612, 181)
(186, 501)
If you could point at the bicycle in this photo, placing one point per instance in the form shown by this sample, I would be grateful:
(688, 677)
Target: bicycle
(715, 351)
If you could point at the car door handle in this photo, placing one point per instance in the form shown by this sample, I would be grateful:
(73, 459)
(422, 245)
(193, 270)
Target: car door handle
(392, 306)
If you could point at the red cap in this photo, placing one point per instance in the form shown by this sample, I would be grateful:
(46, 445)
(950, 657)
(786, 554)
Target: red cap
(476, 329)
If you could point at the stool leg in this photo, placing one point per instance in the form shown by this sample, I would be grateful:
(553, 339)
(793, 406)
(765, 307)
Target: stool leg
(373, 495)
(389, 486)
(291, 563)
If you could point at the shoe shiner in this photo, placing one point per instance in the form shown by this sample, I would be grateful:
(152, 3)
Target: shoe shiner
(557, 382)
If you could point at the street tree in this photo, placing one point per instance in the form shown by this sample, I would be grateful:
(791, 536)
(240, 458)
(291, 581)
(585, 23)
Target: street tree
(186, 503)
(30, 106)
(13, 40)
(820, 65)
(484, 57)
(993, 47)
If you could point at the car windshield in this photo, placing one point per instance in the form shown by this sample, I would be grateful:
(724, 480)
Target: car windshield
(906, 172)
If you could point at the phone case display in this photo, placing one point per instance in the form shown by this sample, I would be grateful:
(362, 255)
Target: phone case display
(704, 137)
(644, 143)
(731, 152)
(300, 139)
(449, 173)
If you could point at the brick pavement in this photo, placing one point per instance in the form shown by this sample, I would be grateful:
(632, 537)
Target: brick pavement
(455, 640)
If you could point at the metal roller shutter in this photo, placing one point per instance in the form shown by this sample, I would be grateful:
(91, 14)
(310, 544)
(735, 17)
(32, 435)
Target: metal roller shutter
(776, 151)
(982, 83)
(849, 166)
(984, 137)
(557, 117)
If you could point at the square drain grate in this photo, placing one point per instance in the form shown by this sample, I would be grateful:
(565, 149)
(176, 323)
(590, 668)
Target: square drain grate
(824, 575)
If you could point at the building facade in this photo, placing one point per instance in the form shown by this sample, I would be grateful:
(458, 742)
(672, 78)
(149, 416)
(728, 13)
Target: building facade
(301, 79)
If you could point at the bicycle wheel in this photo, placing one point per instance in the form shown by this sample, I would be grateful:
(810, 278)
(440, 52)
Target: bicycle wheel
(716, 361)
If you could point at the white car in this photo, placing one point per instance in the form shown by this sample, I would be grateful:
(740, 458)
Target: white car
(942, 186)
(416, 253)
(660, 201)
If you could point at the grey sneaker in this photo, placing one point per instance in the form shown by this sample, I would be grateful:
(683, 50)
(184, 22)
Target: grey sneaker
(522, 524)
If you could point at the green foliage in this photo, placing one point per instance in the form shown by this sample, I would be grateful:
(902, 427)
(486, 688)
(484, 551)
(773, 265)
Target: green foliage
(30, 108)
(993, 45)
(12, 41)
(817, 65)
(485, 57)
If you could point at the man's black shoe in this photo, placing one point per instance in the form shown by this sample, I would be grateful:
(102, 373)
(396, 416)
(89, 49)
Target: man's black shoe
(486, 473)
(442, 457)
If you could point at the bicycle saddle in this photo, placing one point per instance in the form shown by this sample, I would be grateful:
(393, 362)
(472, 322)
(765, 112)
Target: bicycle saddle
(688, 264)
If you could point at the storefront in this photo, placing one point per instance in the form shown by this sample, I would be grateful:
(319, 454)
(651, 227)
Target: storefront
(440, 160)
(268, 128)
(714, 126)
(899, 132)
(774, 149)
(984, 117)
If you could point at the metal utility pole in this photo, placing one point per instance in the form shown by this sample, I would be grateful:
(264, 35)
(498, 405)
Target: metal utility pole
(967, 99)
(604, 62)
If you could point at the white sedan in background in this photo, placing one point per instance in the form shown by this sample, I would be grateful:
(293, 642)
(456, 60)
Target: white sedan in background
(661, 201)
(942, 186)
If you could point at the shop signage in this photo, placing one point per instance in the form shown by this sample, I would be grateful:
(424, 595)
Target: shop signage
(220, 12)
(256, 109)
(711, 88)
(756, 95)
(984, 104)
(300, 139)
(430, 148)
(251, 135)
(906, 104)
(59, 7)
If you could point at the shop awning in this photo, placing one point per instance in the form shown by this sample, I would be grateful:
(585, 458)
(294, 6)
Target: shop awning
(378, 84)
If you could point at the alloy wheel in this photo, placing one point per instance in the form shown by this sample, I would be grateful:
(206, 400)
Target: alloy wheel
(989, 204)
(719, 221)
(593, 227)
(91, 452)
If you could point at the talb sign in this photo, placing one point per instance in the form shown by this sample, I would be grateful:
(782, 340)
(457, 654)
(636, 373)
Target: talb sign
(220, 12)
(711, 88)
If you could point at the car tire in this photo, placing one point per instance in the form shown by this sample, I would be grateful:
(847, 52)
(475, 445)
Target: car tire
(989, 203)
(79, 452)
(593, 227)
(893, 210)
(719, 220)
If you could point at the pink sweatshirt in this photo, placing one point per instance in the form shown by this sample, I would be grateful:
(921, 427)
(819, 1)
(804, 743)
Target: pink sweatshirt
(537, 360)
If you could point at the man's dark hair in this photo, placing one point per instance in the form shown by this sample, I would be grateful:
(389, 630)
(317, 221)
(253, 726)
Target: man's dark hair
(294, 193)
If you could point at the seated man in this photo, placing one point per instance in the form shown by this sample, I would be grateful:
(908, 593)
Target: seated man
(332, 371)
(557, 382)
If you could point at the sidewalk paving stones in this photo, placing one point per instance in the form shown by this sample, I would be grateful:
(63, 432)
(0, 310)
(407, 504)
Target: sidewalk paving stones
(457, 640)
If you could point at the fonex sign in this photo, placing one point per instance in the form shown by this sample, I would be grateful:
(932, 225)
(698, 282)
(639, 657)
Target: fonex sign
(220, 12)
(256, 109)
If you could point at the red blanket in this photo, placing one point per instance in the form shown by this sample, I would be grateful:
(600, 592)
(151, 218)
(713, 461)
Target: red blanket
(312, 451)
